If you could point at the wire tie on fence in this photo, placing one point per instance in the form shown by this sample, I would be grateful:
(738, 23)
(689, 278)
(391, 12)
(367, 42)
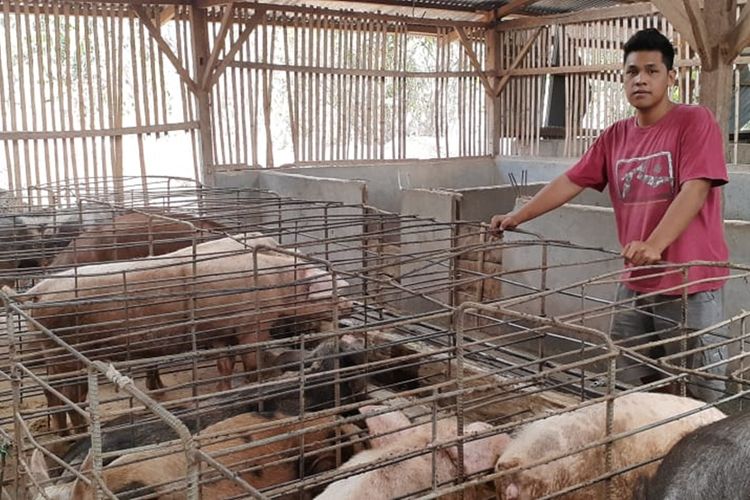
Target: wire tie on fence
(118, 378)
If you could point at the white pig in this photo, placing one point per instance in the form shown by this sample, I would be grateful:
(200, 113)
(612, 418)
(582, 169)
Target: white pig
(412, 475)
(554, 435)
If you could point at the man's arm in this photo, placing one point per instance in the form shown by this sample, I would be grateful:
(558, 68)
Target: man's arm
(676, 219)
(558, 192)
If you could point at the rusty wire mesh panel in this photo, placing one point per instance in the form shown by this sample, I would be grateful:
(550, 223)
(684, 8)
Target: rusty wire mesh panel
(375, 348)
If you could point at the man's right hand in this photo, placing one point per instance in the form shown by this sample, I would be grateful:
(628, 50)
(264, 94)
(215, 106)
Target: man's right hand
(500, 223)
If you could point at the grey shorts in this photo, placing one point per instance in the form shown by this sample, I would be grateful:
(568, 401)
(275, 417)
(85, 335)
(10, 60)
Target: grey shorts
(659, 317)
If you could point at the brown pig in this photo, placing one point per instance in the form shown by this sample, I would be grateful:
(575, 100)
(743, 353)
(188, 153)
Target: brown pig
(140, 308)
(263, 466)
(136, 235)
(557, 434)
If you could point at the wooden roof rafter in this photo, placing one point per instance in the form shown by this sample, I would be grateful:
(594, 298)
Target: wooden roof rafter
(733, 42)
(164, 47)
(410, 21)
(466, 43)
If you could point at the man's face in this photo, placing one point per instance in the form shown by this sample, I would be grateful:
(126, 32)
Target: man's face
(647, 79)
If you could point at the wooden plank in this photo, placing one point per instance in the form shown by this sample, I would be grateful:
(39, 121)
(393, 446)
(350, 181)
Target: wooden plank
(107, 132)
(141, 13)
(524, 50)
(226, 24)
(473, 59)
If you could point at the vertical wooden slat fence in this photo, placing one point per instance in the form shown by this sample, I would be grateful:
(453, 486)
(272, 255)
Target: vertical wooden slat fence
(92, 91)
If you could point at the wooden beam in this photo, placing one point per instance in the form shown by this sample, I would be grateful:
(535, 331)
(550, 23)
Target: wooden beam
(493, 57)
(167, 14)
(372, 16)
(703, 40)
(589, 15)
(376, 73)
(716, 81)
(252, 23)
(226, 24)
(512, 7)
(105, 132)
(738, 38)
(141, 13)
(524, 50)
(473, 58)
(199, 32)
(674, 11)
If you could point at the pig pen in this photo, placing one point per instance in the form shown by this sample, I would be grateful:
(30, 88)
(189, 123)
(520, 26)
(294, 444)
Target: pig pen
(426, 353)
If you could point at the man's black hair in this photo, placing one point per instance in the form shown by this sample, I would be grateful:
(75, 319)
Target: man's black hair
(650, 39)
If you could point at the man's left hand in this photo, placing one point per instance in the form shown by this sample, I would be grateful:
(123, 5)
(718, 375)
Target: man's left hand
(641, 253)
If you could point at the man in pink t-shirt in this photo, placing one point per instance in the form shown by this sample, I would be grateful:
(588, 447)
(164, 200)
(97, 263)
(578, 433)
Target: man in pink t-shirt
(662, 167)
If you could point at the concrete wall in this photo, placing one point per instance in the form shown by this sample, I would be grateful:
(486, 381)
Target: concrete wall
(481, 203)
(587, 226)
(303, 225)
(737, 202)
(441, 205)
(594, 227)
(537, 169)
(546, 169)
(385, 180)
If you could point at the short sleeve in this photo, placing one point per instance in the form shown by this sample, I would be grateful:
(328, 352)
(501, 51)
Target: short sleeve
(702, 150)
(591, 170)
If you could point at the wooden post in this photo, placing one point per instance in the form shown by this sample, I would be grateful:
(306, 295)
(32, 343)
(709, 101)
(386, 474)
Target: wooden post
(707, 30)
(716, 79)
(493, 64)
(199, 28)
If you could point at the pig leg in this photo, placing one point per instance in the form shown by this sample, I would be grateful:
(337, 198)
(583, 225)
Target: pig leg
(77, 394)
(153, 380)
(58, 420)
(225, 366)
(250, 358)
(250, 365)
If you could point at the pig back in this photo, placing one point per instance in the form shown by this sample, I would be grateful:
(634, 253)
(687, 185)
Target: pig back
(136, 235)
(269, 463)
(147, 304)
(559, 434)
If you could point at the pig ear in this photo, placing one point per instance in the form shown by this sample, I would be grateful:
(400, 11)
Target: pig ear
(384, 423)
(38, 467)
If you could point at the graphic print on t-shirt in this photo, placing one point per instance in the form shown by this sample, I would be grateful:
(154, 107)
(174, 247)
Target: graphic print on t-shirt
(645, 179)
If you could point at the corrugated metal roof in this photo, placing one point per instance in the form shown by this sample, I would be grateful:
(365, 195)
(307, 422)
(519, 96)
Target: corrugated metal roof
(545, 7)
(541, 7)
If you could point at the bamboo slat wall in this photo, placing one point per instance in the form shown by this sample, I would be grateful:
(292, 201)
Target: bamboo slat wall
(93, 90)
(85, 91)
(309, 87)
(88, 90)
(583, 59)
